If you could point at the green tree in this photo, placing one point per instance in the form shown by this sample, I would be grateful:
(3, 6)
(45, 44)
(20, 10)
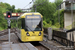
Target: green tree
(13, 8)
(18, 10)
(50, 15)
(58, 2)
(3, 22)
(56, 20)
(3, 8)
(8, 7)
(46, 9)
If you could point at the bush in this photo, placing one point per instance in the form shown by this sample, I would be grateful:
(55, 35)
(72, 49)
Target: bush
(46, 25)
(57, 25)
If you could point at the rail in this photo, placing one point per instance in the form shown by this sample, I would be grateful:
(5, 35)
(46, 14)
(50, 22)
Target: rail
(4, 32)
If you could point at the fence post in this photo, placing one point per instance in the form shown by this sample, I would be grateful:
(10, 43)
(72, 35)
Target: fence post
(49, 33)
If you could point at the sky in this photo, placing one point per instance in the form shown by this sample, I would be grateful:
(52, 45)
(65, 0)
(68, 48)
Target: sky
(23, 4)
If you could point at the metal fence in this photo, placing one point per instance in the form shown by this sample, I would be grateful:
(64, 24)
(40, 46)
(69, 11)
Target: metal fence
(64, 38)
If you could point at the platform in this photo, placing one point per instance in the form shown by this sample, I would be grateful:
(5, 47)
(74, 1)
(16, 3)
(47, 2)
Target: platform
(19, 46)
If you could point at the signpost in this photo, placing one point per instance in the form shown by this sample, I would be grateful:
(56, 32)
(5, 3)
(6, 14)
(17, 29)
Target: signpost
(9, 26)
(8, 16)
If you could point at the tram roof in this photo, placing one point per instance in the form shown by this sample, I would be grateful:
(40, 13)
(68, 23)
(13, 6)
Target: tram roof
(30, 13)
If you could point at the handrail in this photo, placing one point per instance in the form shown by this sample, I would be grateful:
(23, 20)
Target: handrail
(70, 30)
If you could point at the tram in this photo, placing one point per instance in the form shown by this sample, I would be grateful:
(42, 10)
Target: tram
(30, 27)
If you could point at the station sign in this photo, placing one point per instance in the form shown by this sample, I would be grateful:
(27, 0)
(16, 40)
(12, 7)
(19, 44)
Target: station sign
(33, 17)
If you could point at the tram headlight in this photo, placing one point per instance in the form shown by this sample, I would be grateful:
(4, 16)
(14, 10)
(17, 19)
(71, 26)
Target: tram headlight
(27, 34)
(40, 34)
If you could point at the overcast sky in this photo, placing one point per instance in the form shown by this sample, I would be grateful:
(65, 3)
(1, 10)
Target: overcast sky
(20, 3)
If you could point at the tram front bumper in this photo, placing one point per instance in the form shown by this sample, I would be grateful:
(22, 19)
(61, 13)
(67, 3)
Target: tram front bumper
(33, 38)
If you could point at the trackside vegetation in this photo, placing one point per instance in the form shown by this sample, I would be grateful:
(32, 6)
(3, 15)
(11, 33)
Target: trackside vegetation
(3, 8)
(49, 10)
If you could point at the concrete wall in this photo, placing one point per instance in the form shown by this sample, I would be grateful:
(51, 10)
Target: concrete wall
(68, 19)
(63, 5)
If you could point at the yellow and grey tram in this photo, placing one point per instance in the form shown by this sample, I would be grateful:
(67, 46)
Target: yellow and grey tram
(30, 27)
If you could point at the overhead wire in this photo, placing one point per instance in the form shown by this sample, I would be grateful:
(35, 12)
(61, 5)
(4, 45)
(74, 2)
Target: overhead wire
(33, 5)
(28, 4)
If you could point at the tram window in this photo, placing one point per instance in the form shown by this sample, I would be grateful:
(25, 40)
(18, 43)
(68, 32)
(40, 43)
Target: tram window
(39, 25)
(23, 23)
(34, 25)
(19, 23)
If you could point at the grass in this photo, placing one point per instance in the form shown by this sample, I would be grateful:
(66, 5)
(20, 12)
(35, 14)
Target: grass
(69, 27)
(1, 29)
(51, 27)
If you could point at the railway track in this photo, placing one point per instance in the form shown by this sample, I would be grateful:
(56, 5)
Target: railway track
(14, 39)
(40, 46)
